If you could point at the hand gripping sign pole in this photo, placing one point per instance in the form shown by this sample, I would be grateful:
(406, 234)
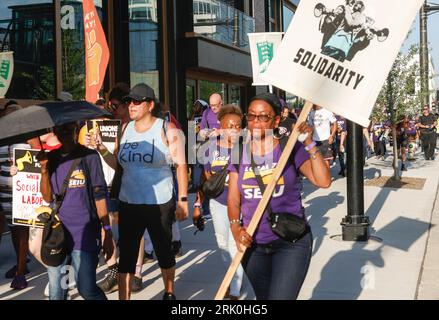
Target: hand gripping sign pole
(265, 199)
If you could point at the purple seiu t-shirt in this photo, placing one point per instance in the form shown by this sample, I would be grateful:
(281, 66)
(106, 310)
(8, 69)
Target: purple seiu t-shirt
(76, 209)
(377, 131)
(411, 130)
(341, 125)
(209, 120)
(286, 196)
(216, 159)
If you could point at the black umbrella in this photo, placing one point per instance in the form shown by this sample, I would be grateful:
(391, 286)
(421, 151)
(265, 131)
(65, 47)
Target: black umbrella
(34, 121)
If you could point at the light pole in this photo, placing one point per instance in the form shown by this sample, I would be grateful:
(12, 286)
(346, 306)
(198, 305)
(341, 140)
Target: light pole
(355, 225)
(426, 9)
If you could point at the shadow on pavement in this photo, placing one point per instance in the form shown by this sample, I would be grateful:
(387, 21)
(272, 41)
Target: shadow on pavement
(348, 273)
(318, 208)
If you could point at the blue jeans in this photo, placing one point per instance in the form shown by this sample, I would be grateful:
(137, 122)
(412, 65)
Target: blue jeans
(226, 243)
(84, 272)
(277, 270)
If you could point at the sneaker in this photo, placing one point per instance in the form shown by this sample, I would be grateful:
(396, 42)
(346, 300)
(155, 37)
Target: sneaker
(19, 283)
(232, 297)
(403, 168)
(109, 284)
(176, 249)
(148, 257)
(137, 284)
(46, 290)
(342, 173)
(13, 271)
(169, 296)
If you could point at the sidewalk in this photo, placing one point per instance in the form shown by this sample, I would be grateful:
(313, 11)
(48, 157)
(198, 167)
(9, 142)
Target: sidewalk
(390, 269)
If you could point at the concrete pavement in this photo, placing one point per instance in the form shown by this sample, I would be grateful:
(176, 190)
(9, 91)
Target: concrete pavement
(399, 266)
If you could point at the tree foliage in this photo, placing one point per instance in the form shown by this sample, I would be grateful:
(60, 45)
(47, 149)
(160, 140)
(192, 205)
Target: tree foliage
(400, 89)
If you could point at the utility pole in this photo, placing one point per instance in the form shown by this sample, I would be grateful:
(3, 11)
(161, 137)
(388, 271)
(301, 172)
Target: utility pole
(355, 226)
(426, 9)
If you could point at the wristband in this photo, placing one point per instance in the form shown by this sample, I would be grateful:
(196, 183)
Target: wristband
(105, 153)
(310, 146)
(107, 227)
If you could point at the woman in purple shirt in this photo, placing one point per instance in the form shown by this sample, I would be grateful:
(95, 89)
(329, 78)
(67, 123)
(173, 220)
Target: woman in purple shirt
(218, 157)
(275, 267)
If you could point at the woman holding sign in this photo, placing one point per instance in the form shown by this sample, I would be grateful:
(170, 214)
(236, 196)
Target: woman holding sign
(275, 267)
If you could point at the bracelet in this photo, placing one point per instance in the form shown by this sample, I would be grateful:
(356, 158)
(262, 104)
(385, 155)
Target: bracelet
(313, 155)
(310, 146)
(235, 221)
(197, 205)
(107, 227)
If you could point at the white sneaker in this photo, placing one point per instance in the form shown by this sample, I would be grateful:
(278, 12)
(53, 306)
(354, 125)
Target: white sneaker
(46, 290)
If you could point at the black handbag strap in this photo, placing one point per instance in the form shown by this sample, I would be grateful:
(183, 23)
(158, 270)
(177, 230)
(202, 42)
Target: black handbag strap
(93, 213)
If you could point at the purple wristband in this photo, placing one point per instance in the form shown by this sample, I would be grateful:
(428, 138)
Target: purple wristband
(107, 227)
(310, 146)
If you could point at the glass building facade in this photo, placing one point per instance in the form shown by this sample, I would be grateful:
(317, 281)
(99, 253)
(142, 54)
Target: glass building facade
(185, 50)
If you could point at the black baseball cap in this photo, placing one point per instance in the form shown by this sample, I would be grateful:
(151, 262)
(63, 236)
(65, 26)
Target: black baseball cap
(140, 92)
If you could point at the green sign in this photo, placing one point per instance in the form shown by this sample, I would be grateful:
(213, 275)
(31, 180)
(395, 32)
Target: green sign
(6, 70)
(265, 53)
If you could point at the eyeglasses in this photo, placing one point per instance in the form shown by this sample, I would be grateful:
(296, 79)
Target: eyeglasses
(260, 117)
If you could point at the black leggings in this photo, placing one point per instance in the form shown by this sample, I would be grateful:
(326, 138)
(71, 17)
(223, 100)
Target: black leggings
(157, 219)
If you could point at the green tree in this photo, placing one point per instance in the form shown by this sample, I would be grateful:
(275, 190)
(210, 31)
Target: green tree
(405, 73)
(73, 64)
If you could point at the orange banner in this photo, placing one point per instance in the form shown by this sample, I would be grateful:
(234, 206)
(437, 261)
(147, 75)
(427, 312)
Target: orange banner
(97, 53)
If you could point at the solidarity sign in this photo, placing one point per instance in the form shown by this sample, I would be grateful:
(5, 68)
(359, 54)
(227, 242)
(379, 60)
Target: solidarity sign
(337, 53)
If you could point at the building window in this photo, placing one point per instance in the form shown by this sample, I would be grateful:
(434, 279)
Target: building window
(287, 16)
(272, 16)
(221, 22)
(27, 29)
(143, 39)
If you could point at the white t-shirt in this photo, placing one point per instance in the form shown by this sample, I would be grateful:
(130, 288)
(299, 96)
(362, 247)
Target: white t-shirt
(321, 120)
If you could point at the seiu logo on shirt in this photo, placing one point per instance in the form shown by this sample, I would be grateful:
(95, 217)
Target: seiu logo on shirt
(131, 154)
(77, 179)
(252, 191)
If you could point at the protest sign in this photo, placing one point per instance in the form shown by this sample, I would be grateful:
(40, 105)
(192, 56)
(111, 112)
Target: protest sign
(6, 71)
(337, 53)
(26, 195)
(109, 130)
(263, 46)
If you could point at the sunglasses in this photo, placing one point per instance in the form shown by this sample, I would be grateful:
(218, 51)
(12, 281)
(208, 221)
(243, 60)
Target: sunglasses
(260, 117)
(132, 101)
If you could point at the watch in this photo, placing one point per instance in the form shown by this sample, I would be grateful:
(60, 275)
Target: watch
(184, 199)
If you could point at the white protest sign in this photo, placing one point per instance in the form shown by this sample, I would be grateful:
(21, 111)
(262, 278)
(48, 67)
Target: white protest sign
(337, 53)
(263, 47)
(6, 71)
(109, 130)
(26, 195)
